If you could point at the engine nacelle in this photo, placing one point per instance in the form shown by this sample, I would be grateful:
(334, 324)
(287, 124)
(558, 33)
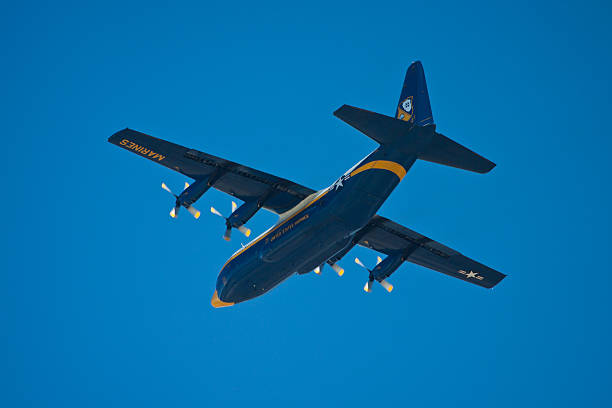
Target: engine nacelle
(244, 213)
(387, 267)
(193, 193)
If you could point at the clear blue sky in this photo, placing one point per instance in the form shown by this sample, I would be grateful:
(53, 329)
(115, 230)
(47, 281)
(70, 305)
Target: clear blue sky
(104, 300)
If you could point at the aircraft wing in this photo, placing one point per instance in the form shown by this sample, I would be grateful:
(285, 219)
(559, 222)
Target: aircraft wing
(388, 237)
(232, 178)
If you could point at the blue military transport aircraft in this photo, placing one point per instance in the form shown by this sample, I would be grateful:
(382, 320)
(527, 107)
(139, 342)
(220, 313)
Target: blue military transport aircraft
(319, 227)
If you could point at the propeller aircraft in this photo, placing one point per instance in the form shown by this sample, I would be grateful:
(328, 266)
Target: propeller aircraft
(319, 227)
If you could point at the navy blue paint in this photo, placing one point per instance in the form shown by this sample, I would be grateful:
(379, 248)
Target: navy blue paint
(415, 86)
(323, 228)
(332, 223)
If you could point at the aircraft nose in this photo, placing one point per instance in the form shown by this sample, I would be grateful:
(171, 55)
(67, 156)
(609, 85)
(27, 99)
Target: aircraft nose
(216, 302)
(220, 288)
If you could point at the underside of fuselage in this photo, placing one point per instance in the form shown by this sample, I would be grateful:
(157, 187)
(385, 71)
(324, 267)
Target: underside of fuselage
(319, 229)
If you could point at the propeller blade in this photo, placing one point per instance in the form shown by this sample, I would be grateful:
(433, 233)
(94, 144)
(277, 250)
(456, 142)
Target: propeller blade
(193, 211)
(386, 285)
(165, 187)
(378, 260)
(317, 270)
(186, 186)
(244, 230)
(174, 212)
(358, 262)
(234, 206)
(214, 211)
(228, 234)
(338, 269)
(368, 286)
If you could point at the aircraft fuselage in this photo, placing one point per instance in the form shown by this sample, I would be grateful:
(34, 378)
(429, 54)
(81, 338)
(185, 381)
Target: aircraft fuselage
(318, 228)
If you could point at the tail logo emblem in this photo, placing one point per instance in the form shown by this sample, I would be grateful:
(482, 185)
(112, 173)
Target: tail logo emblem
(404, 111)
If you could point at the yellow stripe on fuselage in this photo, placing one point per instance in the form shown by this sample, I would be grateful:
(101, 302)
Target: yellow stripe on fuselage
(393, 167)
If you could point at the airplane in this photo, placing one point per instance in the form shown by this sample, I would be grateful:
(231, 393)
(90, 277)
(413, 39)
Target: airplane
(318, 227)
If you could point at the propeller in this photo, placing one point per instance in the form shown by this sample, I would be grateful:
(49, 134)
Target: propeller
(368, 286)
(337, 268)
(228, 230)
(177, 205)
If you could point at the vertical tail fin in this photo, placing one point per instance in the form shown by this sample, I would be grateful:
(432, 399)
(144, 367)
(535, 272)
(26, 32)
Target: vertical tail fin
(413, 105)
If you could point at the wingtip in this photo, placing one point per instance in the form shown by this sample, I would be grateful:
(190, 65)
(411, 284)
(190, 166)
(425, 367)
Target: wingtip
(117, 134)
(337, 111)
(495, 283)
(490, 166)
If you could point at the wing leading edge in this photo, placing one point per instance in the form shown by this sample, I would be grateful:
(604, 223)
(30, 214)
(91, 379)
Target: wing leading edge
(232, 178)
(391, 238)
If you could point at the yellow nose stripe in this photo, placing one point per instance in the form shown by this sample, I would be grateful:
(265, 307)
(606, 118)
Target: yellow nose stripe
(216, 302)
(394, 167)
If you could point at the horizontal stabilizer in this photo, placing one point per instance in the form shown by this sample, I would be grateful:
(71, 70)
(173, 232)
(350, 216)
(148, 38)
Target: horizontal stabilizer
(381, 128)
(443, 150)
(422, 140)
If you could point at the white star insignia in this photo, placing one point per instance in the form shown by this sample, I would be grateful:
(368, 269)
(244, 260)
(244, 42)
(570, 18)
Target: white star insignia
(338, 183)
(471, 274)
